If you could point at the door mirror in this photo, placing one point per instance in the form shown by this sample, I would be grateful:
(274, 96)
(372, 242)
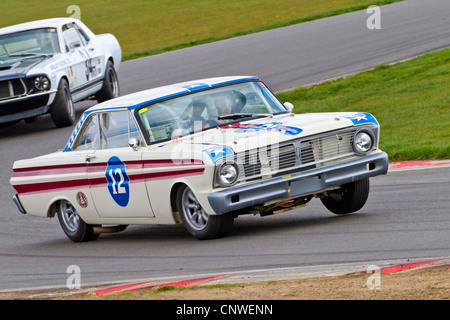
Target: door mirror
(289, 106)
(134, 143)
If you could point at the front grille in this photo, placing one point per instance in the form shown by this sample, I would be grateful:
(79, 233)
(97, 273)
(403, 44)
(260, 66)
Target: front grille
(6, 89)
(271, 159)
(306, 152)
(297, 155)
(330, 147)
(251, 164)
(15, 107)
(11, 88)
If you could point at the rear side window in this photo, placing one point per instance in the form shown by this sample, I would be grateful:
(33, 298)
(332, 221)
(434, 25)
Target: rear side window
(83, 35)
(89, 137)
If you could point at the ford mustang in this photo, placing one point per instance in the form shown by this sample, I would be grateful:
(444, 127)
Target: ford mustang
(47, 65)
(199, 153)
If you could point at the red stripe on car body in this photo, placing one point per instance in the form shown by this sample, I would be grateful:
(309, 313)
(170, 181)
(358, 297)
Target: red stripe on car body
(41, 187)
(49, 170)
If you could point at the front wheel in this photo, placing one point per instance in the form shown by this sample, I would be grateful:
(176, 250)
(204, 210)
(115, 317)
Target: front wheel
(349, 198)
(62, 110)
(197, 222)
(72, 224)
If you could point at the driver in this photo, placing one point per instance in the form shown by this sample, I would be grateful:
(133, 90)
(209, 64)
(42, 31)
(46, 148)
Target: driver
(224, 106)
(46, 44)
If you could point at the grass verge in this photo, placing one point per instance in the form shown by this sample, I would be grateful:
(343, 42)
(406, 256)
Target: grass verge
(425, 284)
(410, 100)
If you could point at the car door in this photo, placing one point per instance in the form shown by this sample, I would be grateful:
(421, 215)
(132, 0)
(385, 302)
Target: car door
(85, 70)
(72, 42)
(94, 57)
(115, 170)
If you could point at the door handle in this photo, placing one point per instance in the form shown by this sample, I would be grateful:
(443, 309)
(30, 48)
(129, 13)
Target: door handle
(89, 157)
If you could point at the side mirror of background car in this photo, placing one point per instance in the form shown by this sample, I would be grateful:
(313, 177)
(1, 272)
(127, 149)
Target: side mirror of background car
(134, 143)
(289, 106)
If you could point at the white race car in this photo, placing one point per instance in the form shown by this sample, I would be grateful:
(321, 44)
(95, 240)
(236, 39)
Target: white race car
(199, 153)
(47, 65)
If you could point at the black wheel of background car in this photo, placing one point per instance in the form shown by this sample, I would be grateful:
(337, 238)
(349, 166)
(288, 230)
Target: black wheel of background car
(197, 222)
(73, 226)
(62, 110)
(349, 198)
(110, 88)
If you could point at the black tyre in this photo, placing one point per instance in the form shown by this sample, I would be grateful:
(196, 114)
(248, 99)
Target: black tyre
(62, 110)
(197, 222)
(71, 223)
(110, 88)
(349, 198)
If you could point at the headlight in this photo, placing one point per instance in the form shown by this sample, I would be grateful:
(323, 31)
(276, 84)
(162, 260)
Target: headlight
(227, 174)
(363, 142)
(41, 83)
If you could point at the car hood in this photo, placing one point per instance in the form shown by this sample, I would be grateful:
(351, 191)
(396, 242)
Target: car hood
(261, 132)
(19, 68)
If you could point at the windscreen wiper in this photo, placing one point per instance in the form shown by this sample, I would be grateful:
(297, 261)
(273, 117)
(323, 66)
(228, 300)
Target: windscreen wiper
(29, 55)
(243, 115)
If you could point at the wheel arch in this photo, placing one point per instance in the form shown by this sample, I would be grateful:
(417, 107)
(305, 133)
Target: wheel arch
(108, 58)
(59, 76)
(58, 82)
(55, 86)
(51, 210)
(173, 200)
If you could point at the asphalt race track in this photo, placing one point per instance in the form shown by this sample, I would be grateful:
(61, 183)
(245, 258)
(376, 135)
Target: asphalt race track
(407, 214)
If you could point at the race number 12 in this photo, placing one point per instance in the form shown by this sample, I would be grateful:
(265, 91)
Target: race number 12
(118, 181)
(120, 188)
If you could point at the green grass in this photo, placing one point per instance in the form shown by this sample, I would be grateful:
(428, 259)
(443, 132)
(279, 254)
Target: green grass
(411, 101)
(145, 27)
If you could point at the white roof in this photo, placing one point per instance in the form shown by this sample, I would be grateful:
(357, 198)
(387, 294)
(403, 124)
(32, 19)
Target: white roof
(46, 23)
(137, 99)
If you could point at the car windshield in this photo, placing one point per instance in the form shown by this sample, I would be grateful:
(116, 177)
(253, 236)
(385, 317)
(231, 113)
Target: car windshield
(28, 43)
(207, 109)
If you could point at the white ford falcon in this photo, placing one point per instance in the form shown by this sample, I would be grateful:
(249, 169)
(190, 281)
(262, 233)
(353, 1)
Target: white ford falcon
(47, 65)
(199, 153)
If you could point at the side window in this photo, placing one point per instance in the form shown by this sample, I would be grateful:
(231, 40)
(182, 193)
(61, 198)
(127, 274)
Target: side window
(89, 138)
(116, 128)
(71, 37)
(83, 34)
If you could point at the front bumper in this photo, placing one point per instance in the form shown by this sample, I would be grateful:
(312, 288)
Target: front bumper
(25, 106)
(297, 184)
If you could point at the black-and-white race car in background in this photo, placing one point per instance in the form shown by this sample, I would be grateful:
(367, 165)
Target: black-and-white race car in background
(47, 65)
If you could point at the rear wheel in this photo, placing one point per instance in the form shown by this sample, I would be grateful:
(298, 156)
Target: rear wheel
(110, 88)
(349, 198)
(197, 222)
(72, 224)
(62, 110)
